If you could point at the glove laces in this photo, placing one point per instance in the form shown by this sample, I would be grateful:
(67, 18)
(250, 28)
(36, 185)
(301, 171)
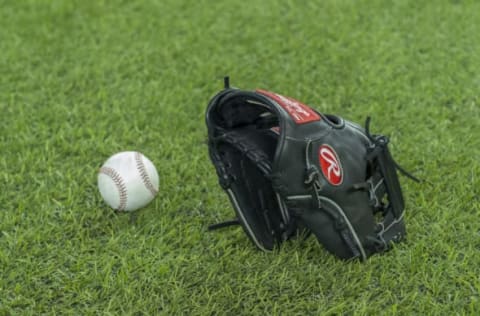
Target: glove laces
(381, 141)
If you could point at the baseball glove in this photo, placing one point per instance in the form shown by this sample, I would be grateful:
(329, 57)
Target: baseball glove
(286, 167)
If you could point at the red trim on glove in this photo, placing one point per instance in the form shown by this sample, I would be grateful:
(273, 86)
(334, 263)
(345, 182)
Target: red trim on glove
(298, 111)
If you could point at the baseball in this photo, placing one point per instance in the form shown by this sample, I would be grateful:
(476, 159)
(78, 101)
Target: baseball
(128, 181)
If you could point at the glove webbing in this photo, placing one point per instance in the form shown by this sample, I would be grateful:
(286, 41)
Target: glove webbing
(263, 163)
(252, 152)
(248, 149)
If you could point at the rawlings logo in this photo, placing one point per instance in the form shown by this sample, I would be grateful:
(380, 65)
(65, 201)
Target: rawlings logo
(298, 111)
(330, 164)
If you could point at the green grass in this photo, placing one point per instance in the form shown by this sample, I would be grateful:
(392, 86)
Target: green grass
(81, 80)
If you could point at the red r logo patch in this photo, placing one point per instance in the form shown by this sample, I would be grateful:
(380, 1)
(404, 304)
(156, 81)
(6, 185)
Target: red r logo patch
(330, 165)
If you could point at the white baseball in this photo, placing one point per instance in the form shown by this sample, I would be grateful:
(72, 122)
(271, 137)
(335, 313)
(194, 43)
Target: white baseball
(128, 181)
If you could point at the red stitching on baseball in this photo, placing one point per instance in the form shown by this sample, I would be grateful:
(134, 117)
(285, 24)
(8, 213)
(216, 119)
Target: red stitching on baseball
(121, 187)
(144, 175)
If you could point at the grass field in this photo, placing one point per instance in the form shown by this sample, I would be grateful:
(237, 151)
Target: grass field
(81, 80)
